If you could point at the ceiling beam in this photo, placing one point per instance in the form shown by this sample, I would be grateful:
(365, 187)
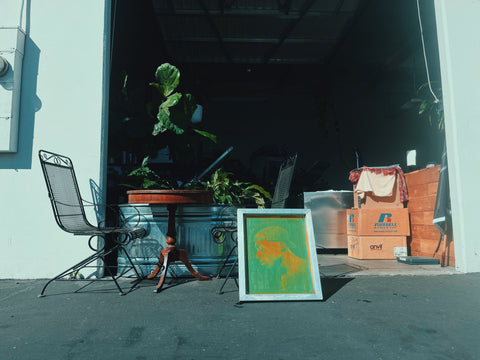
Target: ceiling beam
(287, 31)
(225, 4)
(237, 40)
(338, 7)
(285, 7)
(216, 31)
(292, 14)
(347, 30)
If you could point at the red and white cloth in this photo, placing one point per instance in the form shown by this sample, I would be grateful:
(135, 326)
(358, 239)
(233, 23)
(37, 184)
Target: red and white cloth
(379, 180)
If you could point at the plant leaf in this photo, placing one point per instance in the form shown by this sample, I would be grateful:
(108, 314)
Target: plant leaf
(164, 123)
(261, 190)
(171, 100)
(422, 106)
(168, 78)
(147, 183)
(207, 135)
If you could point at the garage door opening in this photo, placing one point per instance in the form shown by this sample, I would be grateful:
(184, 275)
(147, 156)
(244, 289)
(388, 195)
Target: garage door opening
(336, 82)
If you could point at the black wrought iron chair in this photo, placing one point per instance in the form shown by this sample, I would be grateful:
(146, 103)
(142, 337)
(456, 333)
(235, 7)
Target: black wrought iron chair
(69, 211)
(279, 200)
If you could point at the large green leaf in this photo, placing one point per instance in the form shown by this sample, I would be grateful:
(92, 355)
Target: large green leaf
(172, 100)
(207, 135)
(168, 78)
(163, 123)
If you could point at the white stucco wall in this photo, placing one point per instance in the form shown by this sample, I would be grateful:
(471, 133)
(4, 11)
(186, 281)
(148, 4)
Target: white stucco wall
(62, 110)
(458, 27)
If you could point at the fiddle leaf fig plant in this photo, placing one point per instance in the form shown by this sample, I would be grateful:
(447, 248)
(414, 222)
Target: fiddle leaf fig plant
(172, 112)
(176, 110)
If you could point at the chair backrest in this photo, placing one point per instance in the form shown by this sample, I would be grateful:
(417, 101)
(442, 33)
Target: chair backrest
(63, 192)
(284, 180)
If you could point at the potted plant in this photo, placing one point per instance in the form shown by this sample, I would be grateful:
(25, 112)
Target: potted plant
(172, 125)
(172, 112)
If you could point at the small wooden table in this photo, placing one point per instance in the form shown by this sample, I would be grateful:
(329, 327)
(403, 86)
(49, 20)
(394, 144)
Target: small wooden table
(171, 198)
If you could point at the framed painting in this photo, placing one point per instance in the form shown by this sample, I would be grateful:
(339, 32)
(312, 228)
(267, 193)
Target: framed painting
(277, 255)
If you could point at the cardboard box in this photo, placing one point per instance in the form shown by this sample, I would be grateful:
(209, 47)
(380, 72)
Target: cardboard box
(377, 247)
(361, 222)
(371, 201)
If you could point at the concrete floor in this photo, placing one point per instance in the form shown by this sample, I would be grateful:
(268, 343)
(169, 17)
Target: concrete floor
(398, 311)
(361, 318)
(334, 265)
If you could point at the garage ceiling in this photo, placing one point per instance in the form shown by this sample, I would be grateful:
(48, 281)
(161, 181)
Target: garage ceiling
(254, 31)
(251, 48)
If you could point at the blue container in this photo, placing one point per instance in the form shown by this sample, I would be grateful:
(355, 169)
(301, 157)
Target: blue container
(204, 231)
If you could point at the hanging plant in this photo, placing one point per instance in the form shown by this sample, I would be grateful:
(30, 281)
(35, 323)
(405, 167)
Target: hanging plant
(431, 106)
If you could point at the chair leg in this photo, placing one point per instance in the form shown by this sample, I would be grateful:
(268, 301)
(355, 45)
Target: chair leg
(115, 280)
(101, 254)
(229, 271)
(140, 277)
(121, 248)
(225, 262)
(228, 275)
(73, 268)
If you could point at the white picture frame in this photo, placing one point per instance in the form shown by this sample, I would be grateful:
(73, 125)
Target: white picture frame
(277, 255)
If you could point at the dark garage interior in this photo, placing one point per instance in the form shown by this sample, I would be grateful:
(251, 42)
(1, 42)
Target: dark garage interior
(334, 81)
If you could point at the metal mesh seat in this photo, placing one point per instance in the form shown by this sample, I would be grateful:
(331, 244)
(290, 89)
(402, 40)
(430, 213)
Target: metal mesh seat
(69, 211)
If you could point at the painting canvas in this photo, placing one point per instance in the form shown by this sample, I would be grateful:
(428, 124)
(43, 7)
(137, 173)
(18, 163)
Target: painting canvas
(277, 255)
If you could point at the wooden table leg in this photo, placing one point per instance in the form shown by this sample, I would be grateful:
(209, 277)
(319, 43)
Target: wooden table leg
(171, 253)
(158, 267)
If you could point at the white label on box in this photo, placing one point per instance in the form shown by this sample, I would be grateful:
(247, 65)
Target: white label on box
(400, 251)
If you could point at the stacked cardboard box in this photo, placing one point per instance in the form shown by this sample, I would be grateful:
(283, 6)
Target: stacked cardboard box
(379, 228)
(371, 201)
(424, 240)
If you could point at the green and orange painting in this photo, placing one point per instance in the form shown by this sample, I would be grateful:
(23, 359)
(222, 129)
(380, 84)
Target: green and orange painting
(278, 260)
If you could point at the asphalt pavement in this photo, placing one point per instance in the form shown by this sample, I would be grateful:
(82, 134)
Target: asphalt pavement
(361, 317)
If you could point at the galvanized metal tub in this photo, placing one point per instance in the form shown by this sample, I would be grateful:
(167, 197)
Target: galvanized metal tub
(204, 231)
